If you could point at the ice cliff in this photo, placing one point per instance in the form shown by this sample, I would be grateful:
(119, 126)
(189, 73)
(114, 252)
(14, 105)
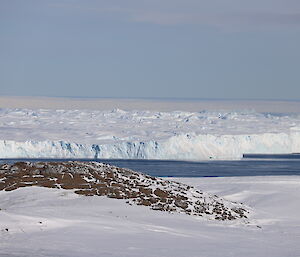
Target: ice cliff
(181, 147)
(144, 135)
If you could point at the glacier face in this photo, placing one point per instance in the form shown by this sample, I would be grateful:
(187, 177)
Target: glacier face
(145, 134)
(181, 147)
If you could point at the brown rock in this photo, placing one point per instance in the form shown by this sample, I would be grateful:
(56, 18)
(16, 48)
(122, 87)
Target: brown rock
(181, 204)
(161, 193)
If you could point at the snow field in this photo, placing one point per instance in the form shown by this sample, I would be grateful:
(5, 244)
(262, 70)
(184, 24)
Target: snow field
(53, 222)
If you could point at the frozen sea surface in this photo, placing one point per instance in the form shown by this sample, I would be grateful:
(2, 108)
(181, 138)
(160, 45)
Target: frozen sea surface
(120, 134)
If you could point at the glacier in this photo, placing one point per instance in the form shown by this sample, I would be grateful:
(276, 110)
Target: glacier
(119, 134)
(181, 147)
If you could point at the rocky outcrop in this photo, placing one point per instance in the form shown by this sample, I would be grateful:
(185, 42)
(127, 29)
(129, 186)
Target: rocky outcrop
(93, 178)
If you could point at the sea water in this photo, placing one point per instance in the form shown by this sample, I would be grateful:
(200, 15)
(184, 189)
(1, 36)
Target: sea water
(272, 166)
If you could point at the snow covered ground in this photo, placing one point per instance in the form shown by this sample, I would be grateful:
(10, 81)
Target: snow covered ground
(138, 134)
(52, 222)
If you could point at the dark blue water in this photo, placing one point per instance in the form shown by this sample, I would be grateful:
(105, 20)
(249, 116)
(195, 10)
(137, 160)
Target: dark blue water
(161, 168)
(272, 156)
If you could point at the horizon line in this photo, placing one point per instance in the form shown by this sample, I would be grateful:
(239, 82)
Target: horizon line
(155, 98)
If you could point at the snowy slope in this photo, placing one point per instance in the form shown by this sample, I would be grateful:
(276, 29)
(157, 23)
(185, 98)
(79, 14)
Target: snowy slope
(41, 222)
(93, 178)
(145, 134)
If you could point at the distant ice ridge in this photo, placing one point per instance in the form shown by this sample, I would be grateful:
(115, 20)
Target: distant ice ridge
(179, 147)
(175, 135)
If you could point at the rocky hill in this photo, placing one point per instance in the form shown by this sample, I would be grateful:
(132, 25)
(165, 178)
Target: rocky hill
(93, 178)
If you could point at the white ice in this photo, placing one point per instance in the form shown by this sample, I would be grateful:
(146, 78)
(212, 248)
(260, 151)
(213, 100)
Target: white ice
(138, 134)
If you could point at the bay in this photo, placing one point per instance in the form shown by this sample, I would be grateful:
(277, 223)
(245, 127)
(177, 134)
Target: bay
(165, 168)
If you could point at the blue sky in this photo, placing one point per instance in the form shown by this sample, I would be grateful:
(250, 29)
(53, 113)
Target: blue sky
(142, 48)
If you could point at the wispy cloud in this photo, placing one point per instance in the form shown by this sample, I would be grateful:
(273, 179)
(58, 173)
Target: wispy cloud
(220, 14)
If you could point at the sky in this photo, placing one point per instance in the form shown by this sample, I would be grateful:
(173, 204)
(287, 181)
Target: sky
(217, 49)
